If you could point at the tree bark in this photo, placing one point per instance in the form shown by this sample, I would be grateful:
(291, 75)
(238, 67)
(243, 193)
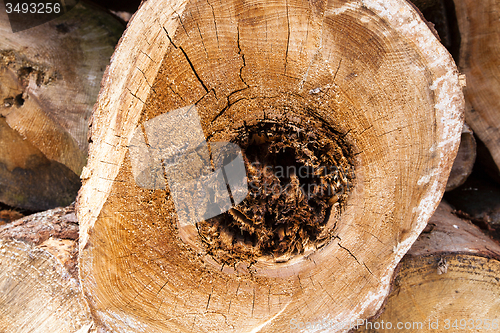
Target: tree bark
(363, 88)
(50, 77)
(450, 273)
(39, 288)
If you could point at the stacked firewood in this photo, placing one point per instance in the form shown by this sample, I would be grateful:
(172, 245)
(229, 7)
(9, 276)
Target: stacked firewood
(346, 118)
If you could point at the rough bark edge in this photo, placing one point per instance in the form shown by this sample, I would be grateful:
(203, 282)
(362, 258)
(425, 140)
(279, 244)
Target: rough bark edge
(53, 234)
(41, 228)
(447, 233)
(110, 146)
(105, 143)
(449, 109)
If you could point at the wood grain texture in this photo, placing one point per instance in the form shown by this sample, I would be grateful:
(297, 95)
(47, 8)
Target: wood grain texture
(479, 59)
(28, 178)
(49, 80)
(464, 162)
(39, 288)
(369, 71)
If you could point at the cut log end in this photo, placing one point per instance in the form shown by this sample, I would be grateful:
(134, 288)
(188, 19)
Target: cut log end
(309, 95)
(450, 275)
(39, 287)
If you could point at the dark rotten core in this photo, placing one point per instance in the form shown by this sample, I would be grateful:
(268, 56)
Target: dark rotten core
(297, 179)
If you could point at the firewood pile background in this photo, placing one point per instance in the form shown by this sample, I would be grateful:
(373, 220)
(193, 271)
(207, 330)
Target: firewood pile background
(369, 132)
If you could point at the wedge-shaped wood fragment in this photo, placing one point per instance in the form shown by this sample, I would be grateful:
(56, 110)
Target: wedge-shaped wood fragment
(464, 162)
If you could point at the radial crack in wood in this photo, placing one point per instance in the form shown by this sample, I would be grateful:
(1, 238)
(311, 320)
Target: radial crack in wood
(366, 86)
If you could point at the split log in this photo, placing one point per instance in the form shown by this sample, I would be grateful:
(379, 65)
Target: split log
(363, 90)
(479, 60)
(49, 82)
(28, 178)
(39, 288)
(448, 281)
(464, 162)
